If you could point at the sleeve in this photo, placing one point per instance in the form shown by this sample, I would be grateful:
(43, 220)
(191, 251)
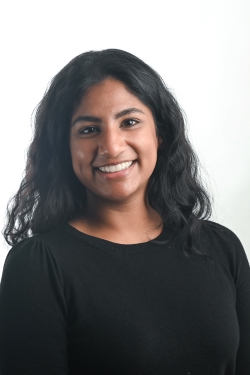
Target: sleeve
(243, 312)
(33, 313)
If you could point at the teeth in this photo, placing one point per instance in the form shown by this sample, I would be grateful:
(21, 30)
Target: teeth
(116, 168)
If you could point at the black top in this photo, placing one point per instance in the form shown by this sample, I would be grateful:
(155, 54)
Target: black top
(75, 304)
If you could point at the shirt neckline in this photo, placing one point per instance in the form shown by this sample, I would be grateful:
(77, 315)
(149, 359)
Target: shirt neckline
(166, 235)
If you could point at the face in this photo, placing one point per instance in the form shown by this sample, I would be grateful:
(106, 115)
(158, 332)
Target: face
(113, 143)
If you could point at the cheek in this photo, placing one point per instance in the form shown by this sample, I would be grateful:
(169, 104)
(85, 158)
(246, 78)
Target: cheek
(80, 155)
(77, 154)
(79, 165)
(150, 144)
(78, 160)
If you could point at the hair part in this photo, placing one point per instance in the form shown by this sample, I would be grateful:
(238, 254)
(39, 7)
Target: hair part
(50, 194)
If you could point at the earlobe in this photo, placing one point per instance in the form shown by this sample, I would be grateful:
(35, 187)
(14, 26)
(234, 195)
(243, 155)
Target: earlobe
(160, 143)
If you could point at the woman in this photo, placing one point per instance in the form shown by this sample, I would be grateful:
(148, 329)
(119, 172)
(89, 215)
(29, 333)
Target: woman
(114, 268)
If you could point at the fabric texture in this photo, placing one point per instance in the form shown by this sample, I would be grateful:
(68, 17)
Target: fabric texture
(75, 304)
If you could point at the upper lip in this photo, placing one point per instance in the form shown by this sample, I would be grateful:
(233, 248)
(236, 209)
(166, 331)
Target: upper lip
(113, 163)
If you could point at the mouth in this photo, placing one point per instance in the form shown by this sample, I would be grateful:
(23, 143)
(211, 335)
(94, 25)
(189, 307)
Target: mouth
(115, 168)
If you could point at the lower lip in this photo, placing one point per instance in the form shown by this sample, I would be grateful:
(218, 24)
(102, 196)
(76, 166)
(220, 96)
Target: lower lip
(118, 174)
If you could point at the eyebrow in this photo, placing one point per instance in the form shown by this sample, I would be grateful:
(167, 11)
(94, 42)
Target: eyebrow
(97, 119)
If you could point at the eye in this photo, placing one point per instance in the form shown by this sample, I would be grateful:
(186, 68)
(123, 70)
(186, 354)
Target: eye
(130, 122)
(88, 130)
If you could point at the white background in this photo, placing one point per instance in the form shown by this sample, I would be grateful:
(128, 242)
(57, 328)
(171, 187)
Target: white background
(201, 48)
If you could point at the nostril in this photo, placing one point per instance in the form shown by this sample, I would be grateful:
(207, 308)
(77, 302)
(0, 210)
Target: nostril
(111, 149)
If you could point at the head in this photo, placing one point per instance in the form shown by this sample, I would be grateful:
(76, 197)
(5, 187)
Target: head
(67, 90)
(173, 188)
(113, 144)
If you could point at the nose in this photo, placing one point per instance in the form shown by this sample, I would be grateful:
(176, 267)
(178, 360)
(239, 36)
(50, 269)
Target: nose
(111, 143)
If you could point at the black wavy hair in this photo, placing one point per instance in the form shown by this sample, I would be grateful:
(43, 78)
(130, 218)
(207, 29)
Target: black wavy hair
(50, 194)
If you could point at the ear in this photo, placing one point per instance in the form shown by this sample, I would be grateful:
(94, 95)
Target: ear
(160, 142)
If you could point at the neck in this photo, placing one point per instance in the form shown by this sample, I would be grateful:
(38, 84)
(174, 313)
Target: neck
(122, 222)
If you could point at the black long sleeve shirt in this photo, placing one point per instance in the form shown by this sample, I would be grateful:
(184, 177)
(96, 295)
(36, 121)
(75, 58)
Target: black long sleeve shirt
(75, 304)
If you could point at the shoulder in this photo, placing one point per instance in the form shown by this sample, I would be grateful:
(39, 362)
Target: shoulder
(223, 246)
(219, 236)
(33, 250)
(218, 241)
(34, 261)
(217, 232)
(57, 249)
(37, 241)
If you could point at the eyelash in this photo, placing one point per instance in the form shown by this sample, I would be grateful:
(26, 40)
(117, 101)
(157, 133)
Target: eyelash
(131, 119)
(83, 131)
(95, 129)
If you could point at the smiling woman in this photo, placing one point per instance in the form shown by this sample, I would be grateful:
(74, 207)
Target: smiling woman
(115, 268)
(117, 156)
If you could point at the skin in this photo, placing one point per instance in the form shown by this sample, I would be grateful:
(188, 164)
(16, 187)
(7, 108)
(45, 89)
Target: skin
(111, 126)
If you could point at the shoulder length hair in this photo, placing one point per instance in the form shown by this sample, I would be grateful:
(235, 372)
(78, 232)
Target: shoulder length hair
(50, 194)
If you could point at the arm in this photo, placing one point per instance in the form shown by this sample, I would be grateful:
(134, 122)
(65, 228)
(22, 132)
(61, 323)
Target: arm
(33, 313)
(243, 313)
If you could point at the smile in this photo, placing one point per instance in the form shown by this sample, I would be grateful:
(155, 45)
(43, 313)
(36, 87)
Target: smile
(115, 168)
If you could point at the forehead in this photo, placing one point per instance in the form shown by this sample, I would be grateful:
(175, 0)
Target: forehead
(111, 96)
